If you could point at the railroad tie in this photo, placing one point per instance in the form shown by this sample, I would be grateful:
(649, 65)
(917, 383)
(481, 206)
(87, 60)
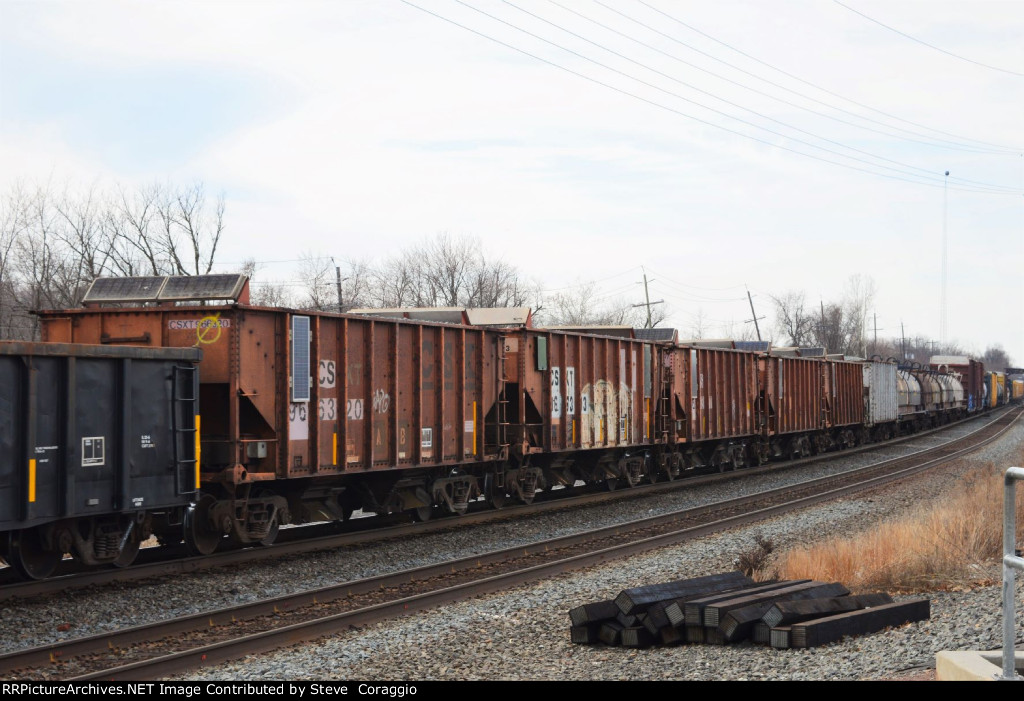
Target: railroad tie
(822, 631)
(639, 599)
(739, 622)
(593, 613)
(789, 612)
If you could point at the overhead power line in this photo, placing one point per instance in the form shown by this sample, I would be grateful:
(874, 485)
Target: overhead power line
(1002, 147)
(933, 142)
(925, 43)
(927, 172)
(918, 181)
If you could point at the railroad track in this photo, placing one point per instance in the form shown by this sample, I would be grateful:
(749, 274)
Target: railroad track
(164, 562)
(170, 647)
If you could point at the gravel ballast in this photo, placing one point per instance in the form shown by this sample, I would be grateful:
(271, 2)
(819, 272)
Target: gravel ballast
(523, 634)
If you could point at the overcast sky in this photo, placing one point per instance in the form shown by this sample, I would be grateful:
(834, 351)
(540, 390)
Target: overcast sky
(783, 145)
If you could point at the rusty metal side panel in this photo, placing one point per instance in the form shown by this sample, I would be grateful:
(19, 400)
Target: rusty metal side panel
(595, 391)
(431, 389)
(723, 393)
(844, 393)
(418, 394)
(449, 412)
(566, 380)
(406, 375)
(796, 390)
(357, 420)
(382, 347)
(678, 366)
(56, 329)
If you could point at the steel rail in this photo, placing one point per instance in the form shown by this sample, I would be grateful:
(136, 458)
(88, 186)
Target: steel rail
(263, 641)
(182, 565)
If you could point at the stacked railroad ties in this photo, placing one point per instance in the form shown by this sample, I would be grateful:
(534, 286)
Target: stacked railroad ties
(731, 607)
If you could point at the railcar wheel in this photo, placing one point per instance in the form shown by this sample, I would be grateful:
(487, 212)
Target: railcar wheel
(128, 553)
(272, 532)
(495, 495)
(28, 556)
(611, 484)
(200, 537)
(275, 524)
(423, 513)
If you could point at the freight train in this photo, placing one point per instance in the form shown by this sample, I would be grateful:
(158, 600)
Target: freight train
(297, 416)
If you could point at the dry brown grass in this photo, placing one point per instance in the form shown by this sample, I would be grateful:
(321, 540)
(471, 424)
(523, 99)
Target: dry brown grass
(955, 542)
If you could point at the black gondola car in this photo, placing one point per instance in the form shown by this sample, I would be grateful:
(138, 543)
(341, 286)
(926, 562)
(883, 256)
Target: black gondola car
(98, 449)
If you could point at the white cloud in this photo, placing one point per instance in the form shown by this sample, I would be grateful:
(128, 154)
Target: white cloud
(398, 125)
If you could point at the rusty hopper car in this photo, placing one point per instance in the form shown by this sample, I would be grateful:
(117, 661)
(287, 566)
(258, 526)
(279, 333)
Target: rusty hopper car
(794, 391)
(578, 406)
(843, 403)
(98, 449)
(298, 403)
(711, 407)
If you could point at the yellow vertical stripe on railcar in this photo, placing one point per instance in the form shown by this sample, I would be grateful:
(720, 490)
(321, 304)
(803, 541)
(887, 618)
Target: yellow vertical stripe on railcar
(31, 481)
(474, 428)
(198, 450)
(334, 449)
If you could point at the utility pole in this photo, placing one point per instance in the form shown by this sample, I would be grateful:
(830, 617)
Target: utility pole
(874, 345)
(647, 302)
(821, 333)
(753, 314)
(903, 341)
(337, 271)
(647, 299)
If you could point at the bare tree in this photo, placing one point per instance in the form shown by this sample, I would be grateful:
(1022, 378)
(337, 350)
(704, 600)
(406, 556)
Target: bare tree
(699, 325)
(995, 358)
(792, 318)
(130, 223)
(54, 243)
(831, 328)
(14, 214)
(582, 305)
(445, 271)
(79, 225)
(356, 285)
(859, 298)
(190, 229)
(318, 283)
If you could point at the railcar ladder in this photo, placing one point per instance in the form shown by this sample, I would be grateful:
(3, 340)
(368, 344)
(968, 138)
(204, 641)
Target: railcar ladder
(662, 412)
(183, 422)
(502, 437)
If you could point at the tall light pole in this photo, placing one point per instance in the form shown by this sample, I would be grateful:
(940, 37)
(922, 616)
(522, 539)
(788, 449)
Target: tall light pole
(942, 297)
